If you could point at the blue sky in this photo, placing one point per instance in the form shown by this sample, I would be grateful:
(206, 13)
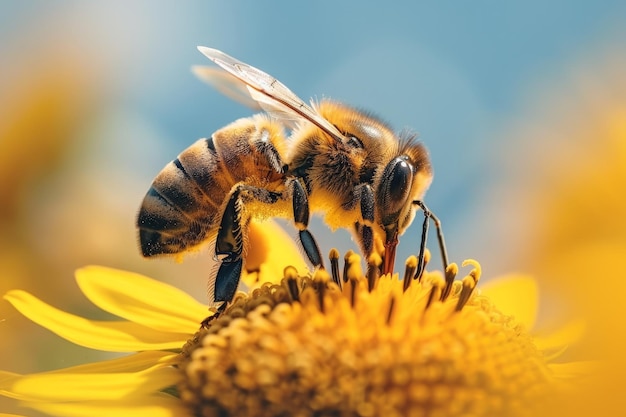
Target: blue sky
(455, 72)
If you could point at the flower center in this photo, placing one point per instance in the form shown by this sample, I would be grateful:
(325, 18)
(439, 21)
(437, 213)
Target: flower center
(357, 344)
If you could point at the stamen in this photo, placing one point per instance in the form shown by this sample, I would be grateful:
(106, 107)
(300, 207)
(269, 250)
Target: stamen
(435, 291)
(334, 266)
(469, 283)
(320, 279)
(346, 264)
(291, 277)
(392, 305)
(354, 273)
(411, 267)
(476, 272)
(373, 270)
(451, 271)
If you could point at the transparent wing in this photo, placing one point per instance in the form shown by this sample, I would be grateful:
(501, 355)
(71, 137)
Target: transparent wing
(270, 93)
(227, 84)
(235, 89)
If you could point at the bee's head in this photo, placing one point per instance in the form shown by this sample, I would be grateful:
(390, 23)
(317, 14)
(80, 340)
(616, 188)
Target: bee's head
(396, 165)
(404, 179)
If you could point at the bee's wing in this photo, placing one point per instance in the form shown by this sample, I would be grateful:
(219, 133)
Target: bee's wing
(227, 84)
(269, 92)
(235, 89)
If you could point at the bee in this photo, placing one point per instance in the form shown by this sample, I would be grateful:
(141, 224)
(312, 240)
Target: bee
(344, 163)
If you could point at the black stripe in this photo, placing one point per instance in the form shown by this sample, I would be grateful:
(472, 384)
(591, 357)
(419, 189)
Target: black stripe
(179, 165)
(210, 145)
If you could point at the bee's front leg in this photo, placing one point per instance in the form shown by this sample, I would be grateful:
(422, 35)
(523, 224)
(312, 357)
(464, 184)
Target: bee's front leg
(429, 215)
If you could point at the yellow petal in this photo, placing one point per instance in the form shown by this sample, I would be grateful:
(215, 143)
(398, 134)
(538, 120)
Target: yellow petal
(271, 250)
(111, 336)
(6, 380)
(6, 376)
(64, 386)
(130, 363)
(157, 405)
(572, 371)
(516, 295)
(141, 299)
(10, 415)
(556, 342)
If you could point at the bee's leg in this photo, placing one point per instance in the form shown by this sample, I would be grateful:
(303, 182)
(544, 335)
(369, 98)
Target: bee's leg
(231, 235)
(301, 220)
(363, 230)
(206, 323)
(442, 244)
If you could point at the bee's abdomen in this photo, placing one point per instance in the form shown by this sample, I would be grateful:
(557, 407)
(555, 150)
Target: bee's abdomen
(181, 208)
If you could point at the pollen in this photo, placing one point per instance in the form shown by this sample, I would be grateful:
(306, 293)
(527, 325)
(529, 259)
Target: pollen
(362, 344)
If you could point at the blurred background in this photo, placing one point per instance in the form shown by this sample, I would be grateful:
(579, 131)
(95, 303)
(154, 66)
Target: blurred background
(521, 104)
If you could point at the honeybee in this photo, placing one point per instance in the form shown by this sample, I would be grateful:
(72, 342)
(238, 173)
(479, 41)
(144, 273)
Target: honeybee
(344, 163)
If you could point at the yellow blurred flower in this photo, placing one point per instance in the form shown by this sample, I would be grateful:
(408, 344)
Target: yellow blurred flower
(50, 97)
(303, 346)
(570, 212)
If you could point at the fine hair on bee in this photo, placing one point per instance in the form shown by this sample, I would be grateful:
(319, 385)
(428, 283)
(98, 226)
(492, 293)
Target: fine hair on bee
(343, 163)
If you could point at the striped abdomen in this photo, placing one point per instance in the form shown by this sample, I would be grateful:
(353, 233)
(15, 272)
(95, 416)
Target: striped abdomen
(183, 207)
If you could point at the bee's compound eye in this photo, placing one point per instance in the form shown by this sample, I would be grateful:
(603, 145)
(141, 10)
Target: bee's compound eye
(395, 187)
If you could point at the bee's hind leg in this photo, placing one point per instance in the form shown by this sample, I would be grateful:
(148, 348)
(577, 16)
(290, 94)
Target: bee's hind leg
(301, 219)
(231, 237)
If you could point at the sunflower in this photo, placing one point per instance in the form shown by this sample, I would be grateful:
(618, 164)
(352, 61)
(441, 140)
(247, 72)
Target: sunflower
(345, 344)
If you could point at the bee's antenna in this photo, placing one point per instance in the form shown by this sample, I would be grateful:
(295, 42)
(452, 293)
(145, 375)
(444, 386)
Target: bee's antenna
(442, 244)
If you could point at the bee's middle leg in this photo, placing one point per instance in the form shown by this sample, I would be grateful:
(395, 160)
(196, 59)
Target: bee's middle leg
(363, 229)
(301, 219)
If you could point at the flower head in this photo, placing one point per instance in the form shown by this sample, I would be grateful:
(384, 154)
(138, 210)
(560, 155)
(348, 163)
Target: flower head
(352, 344)
(306, 346)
